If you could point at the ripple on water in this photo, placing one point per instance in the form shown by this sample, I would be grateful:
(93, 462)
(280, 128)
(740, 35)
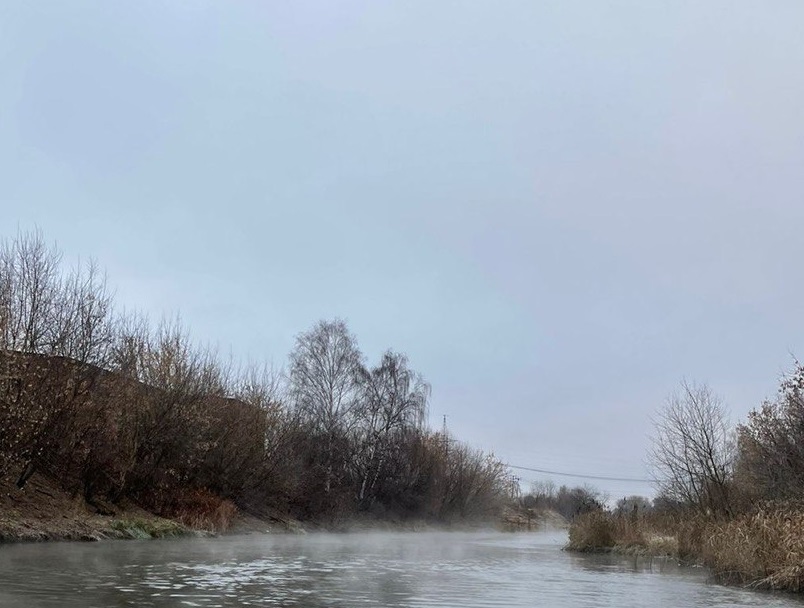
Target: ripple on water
(372, 570)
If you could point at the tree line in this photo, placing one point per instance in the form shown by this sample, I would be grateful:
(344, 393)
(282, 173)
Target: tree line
(116, 408)
(730, 496)
(704, 463)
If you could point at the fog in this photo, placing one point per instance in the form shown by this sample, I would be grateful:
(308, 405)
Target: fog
(470, 569)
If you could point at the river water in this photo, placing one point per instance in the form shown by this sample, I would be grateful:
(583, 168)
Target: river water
(462, 570)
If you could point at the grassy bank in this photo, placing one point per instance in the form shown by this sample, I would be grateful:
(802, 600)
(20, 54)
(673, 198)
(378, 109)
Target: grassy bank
(763, 549)
(43, 511)
(602, 532)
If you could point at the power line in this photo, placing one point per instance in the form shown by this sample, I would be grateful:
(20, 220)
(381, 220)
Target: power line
(576, 475)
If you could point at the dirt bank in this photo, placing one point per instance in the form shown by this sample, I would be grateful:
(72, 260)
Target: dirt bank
(43, 511)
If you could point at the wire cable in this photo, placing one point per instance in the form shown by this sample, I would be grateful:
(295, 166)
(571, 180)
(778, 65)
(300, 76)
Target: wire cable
(578, 476)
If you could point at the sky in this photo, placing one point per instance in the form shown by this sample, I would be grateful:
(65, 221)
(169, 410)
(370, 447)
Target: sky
(559, 210)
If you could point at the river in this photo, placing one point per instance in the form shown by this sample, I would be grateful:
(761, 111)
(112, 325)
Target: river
(415, 570)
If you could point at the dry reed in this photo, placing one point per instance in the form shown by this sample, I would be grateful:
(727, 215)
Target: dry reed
(763, 549)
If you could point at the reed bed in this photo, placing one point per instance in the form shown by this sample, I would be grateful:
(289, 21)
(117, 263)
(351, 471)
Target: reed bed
(599, 531)
(763, 549)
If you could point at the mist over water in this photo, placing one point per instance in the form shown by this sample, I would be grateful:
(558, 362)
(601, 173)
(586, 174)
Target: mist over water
(478, 569)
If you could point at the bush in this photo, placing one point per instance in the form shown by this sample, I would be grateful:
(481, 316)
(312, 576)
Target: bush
(202, 510)
(602, 531)
(593, 531)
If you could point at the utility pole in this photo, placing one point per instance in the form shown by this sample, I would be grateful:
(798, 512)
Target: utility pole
(445, 437)
(515, 479)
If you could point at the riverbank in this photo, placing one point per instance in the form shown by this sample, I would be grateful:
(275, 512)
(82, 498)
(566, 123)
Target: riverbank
(602, 532)
(43, 511)
(762, 550)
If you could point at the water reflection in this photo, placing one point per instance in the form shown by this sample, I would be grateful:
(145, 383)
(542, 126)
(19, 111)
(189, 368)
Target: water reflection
(631, 563)
(388, 570)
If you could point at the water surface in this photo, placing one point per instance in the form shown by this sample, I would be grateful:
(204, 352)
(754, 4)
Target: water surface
(350, 570)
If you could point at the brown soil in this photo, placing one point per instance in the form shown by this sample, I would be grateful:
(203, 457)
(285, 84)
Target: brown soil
(43, 511)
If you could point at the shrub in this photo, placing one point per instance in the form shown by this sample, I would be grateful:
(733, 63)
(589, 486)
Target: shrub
(202, 510)
(593, 531)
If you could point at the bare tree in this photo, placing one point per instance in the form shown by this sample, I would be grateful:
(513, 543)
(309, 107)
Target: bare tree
(82, 319)
(472, 483)
(771, 443)
(324, 370)
(693, 450)
(263, 386)
(393, 401)
(45, 313)
(165, 419)
(268, 467)
(633, 505)
(131, 338)
(29, 287)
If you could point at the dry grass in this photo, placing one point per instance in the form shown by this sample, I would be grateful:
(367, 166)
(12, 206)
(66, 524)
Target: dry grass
(656, 536)
(599, 531)
(141, 528)
(202, 510)
(764, 549)
(44, 511)
(661, 545)
(591, 532)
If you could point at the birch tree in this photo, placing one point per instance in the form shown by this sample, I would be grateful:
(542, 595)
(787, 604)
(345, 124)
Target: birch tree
(324, 369)
(394, 401)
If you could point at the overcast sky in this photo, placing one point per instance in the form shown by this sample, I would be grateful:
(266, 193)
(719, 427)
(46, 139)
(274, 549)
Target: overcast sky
(558, 210)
